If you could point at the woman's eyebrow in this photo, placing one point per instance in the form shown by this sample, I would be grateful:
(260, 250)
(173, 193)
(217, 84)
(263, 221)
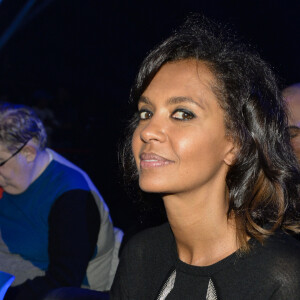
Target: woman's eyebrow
(175, 100)
(144, 99)
(178, 100)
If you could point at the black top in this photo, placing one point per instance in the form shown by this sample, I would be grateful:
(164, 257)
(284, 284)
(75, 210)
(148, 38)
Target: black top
(149, 264)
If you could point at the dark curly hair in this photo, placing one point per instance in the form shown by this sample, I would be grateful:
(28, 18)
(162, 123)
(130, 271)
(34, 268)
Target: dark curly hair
(263, 182)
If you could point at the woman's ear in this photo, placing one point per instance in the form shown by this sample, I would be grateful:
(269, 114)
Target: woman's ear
(30, 153)
(231, 155)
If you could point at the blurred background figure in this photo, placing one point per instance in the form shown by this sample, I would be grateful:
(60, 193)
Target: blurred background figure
(291, 94)
(55, 228)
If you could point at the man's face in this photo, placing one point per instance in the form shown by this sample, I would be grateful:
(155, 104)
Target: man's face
(295, 141)
(15, 173)
(292, 98)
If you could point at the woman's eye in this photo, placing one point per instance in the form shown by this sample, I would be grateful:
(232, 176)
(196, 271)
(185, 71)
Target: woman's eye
(145, 115)
(183, 115)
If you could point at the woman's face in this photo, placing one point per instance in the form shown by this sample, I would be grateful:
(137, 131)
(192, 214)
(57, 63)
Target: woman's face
(180, 144)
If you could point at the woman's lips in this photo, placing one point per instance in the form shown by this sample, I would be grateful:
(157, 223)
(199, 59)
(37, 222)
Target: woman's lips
(152, 160)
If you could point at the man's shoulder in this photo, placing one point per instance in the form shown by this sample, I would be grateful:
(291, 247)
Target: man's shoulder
(67, 175)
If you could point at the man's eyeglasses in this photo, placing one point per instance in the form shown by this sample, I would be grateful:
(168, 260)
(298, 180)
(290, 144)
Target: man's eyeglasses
(14, 154)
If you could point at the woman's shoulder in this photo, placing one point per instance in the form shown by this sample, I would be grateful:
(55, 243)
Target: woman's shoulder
(284, 264)
(278, 258)
(150, 242)
(283, 245)
(150, 236)
(146, 258)
(278, 247)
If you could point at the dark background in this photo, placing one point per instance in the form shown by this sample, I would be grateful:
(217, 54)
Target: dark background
(79, 58)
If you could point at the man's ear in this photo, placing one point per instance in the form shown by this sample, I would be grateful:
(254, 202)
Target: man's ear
(231, 155)
(30, 153)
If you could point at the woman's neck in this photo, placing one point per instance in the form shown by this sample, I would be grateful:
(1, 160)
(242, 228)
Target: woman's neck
(204, 234)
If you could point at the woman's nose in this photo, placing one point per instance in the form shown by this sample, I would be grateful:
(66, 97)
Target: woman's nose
(154, 130)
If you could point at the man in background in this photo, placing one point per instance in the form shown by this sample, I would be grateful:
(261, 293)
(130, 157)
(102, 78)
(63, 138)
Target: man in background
(291, 94)
(55, 228)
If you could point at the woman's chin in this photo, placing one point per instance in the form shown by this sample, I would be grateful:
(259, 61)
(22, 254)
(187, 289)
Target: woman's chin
(152, 187)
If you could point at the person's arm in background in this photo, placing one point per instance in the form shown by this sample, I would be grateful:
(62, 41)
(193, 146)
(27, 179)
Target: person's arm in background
(74, 224)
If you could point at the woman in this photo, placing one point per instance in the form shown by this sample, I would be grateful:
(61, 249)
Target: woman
(209, 136)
